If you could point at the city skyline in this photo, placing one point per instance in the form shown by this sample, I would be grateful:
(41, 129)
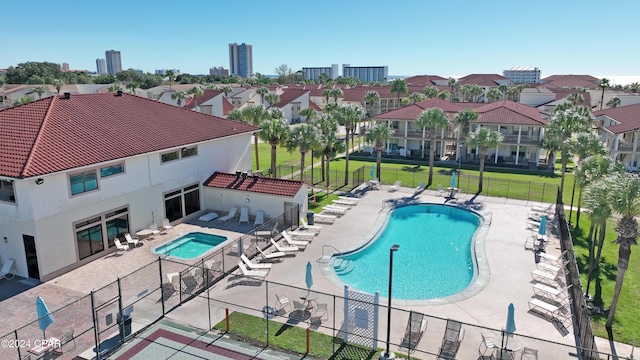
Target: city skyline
(410, 38)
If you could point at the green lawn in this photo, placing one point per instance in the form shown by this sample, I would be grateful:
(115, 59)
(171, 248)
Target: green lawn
(322, 199)
(626, 327)
(283, 157)
(293, 339)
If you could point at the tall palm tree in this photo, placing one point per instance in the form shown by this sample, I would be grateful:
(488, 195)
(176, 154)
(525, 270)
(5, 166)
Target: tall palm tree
(196, 92)
(336, 92)
(576, 98)
(378, 135)
(430, 92)
(372, 98)
(39, 90)
(304, 138)
(274, 132)
(452, 84)
(417, 97)
(625, 195)
(272, 99)
(614, 102)
(584, 146)
(276, 113)
(398, 87)
(444, 95)
(235, 114)
(634, 87)
(326, 125)
(465, 90)
(597, 199)
(483, 139)
(179, 95)
(520, 88)
(567, 120)
(330, 146)
(348, 115)
(327, 94)
(503, 90)
(255, 115)
(226, 90)
(309, 114)
(475, 91)
(512, 92)
(58, 84)
(132, 86)
(262, 91)
(464, 119)
(171, 76)
(432, 121)
(603, 84)
(494, 94)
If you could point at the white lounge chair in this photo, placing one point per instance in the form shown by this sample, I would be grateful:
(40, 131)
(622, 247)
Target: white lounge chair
(208, 216)
(8, 272)
(420, 187)
(259, 218)
(324, 218)
(553, 259)
(120, 246)
(308, 236)
(306, 226)
(253, 265)
(292, 242)
(252, 273)
(543, 276)
(166, 225)
(395, 186)
(284, 249)
(349, 198)
(131, 240)
(544, 307)
(154, 229)
(551, 268)
(268, 232)
(271, 255)
(244, 215)
(334, 210)
(344, 202)
(227, 218)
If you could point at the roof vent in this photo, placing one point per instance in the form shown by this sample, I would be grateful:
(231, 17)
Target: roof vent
(255, 177)
(119, 93)
(67, 95)
(244, 174)
(238, 173)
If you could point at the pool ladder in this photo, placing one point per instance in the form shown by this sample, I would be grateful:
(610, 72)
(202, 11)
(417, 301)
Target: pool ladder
(340, 265)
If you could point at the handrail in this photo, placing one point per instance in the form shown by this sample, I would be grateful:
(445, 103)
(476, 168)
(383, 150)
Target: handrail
(323, 255)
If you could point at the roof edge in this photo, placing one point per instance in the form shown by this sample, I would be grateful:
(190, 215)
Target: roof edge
(38, 137)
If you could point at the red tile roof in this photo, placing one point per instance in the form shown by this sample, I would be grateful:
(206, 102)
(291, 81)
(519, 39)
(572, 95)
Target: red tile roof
(568, 81)
(423, 80)
(314, 106)
(56, 134)
(481, 79)
(263, 185)
(627, 116)
(206, 96)
(288, 96)
(226, 106)
(411, 112)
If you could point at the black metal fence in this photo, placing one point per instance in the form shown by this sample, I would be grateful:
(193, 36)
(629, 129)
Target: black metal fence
(315, 176)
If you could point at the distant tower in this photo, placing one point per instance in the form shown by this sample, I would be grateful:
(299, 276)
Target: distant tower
(114, 63)
(241, 59)
(65, 67)
(101, 66)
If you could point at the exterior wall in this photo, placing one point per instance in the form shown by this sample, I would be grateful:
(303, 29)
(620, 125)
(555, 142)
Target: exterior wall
(272, 205)
(366, 73)
(292, 115)
(536, 97)
(517, 75)
(48, 211)
(312, 73)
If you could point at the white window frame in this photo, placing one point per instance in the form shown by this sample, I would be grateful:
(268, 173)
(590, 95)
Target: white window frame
(180, 154)
(124, 170)
(82, 172)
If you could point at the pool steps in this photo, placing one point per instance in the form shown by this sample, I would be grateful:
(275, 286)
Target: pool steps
(343, 266)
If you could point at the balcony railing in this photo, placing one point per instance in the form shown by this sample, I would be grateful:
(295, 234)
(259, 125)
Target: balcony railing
(524, 139)
(625, 147)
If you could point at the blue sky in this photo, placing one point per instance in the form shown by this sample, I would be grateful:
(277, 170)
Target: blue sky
(411, 37)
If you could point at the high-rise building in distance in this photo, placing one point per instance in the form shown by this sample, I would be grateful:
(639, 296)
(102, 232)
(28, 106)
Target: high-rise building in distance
(101, 66)
(241, 59)
(65, 66)
(312, 73)
(114, 63)
(366, 73)
(523, 75)
(220, 71)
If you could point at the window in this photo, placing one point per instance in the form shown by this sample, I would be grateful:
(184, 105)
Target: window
(111, 170)
(186, 152)
(97, 233)
(182, 202)
(169, 157)
(6, 191)
(83, 182)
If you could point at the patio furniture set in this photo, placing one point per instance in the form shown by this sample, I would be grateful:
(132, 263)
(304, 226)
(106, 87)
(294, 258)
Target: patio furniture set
(129, 241)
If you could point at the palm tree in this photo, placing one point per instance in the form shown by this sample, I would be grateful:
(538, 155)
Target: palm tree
(430, 92)
(567, 120)
(262, 91)
(520, 87)
(503, 90)
(512, 92)
(452, 84)
(255, 115)
(39, 90)
(325, 125)
(276, 113)
(434, 120)
(274, 132)
(464, 119)
(597, 199)
(196, 91)
(327, 94)
(372, 98)
(465, 90)
(625, 195)
(494, 94)
(603, 84)
(634, 87)
(179, 95)
(444, 95)
(132, 85)
(212, 86)
(399, 86)
(272, 99)
(309, 114)
(58, 84)
(475, 91)
(348, 115)
(576, 98)
(171, 76)
(417, 97)
(483, 139)
(330, 146)
(614, 102)
(235, 114)
(114, 87)
(583, 146)
(226, 90)
(336, 92)
(378, 135)
(305, 139)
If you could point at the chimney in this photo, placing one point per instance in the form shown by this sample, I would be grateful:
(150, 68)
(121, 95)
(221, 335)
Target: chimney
(119, 93)
(67, 95)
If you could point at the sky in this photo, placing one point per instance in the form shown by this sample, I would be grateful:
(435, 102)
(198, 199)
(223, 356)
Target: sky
(446, 38)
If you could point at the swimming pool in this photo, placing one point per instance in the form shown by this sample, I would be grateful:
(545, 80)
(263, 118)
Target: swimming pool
(190, 246)
(435, 258)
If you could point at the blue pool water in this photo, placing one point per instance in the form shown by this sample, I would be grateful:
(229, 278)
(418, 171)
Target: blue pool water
(434, 259)
(190, 246)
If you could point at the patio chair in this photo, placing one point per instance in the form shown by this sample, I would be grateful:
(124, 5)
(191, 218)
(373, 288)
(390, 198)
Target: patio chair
(324, 218)
(268, 232)
(166, 225)
(259, 220)
(171, 287)
(154, 229)
(67, 337)
(281, 303)
(420, 187)
(488, 343)
(334, 210)
(451, 340)
(208, 216)
(545, 308)
(395, 186)
(285, 249)
(305, 235)
(261, 274)
(344, 202)
(244, 215)
(529, 354)
(349, 198)
(292, 242)
(8, 272)
(546, 277)
(120, 246)
(190, 283)
(440, 190)
(252, 265)
(553, 259)
(306, 226)
(552, 268)
(227, 218)
(271, 255)
(416, 326)
(131, 240)
(321, 313)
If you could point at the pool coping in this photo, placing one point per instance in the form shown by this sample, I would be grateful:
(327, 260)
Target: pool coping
(179, 235)
(480, 277)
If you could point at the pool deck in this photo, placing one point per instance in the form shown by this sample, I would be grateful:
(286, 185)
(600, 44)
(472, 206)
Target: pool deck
(510, 268)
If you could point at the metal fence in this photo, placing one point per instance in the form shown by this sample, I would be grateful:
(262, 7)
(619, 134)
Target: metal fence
(315, 176)
(581, 319)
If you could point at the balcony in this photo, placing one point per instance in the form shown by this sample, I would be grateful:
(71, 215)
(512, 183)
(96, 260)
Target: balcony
(524, 139)
(627, 147)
